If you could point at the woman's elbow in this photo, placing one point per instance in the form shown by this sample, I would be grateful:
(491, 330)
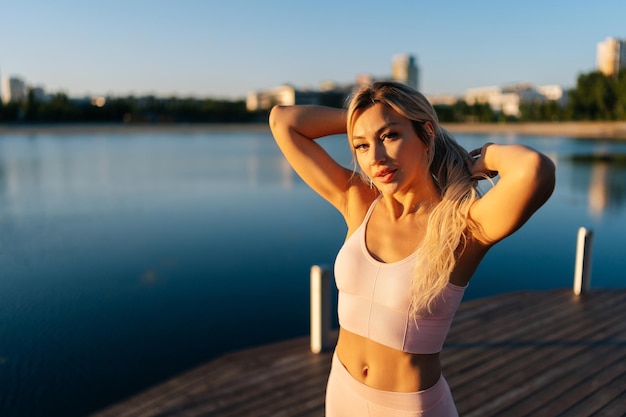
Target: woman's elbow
(544, 176)
(275, 116)
(535, 174)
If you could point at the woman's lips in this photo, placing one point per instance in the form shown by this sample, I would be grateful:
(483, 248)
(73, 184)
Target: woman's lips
(386, 175)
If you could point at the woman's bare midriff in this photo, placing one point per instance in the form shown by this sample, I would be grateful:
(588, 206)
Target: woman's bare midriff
(381, 367)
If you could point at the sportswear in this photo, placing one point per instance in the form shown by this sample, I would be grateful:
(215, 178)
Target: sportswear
(374, 299)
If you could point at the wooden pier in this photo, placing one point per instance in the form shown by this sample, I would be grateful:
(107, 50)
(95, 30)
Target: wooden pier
(536, 353)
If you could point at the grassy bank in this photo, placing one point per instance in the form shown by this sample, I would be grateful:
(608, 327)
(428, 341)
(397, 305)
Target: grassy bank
(600, 130)
(591, 130)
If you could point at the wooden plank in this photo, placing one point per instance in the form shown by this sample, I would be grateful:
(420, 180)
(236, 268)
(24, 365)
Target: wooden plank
(540, 363)
(615, 408)
(525, 319)
(605, 393)
(522, 354)
(600, 372)
(523, 378)
(581, 373)
(480, 359)
(260, 377)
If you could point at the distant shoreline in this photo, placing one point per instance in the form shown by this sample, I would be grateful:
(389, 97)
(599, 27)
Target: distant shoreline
(590, 130)
(587, 130)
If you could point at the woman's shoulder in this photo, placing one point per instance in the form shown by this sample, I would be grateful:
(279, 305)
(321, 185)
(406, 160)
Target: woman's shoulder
(358, 200)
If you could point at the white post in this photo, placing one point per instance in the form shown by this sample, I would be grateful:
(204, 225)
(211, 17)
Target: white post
(320, 308)
(582, 271)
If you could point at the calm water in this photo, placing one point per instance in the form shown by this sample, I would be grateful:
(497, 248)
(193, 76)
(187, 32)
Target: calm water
(127, 259)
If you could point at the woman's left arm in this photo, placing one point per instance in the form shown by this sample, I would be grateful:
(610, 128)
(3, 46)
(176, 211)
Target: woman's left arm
(527, 179)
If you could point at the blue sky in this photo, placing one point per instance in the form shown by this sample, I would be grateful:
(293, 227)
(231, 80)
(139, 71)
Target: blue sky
(225, 48)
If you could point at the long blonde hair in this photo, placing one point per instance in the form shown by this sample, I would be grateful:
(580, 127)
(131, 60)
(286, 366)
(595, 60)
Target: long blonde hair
(449, 222)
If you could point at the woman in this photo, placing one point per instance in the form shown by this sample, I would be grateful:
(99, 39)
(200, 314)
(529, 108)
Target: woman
(417, 230)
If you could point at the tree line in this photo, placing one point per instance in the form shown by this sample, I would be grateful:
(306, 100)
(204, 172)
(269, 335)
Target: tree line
(59, 108)
(595, 97)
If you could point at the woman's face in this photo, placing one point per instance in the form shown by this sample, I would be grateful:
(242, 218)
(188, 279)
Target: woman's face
(388, 150)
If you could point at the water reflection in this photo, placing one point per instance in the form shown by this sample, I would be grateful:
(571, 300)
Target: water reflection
(598, 190)
(45, 173)
(49, 171)
(602, 180)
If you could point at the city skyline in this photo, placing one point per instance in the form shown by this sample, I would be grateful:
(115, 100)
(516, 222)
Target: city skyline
(225, 50)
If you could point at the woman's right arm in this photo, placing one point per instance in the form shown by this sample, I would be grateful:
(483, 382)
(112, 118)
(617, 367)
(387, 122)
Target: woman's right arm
(295, 129)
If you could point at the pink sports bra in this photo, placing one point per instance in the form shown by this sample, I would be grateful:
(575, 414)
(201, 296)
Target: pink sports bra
(374, 299)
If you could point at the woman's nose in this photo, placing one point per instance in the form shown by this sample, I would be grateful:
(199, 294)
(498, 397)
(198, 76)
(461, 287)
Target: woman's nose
(379, 154)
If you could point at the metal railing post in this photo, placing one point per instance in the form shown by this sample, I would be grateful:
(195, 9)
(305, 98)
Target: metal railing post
(582, 270)
(320, 308)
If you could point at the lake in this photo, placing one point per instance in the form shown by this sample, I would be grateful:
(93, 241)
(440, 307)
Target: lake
(128, 258)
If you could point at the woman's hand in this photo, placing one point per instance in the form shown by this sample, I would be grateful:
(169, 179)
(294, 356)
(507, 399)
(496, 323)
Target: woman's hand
(476, 163)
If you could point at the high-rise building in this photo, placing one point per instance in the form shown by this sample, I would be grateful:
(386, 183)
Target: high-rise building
(404, 69)
(13, 89)
(611, 56)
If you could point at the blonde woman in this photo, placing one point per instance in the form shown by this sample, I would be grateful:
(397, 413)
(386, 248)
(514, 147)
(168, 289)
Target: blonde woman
(417, 231)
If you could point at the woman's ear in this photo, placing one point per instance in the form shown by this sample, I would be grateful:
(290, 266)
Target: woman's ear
(430, 130)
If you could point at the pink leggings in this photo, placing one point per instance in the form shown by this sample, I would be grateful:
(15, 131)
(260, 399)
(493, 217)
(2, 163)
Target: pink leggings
(345, 396)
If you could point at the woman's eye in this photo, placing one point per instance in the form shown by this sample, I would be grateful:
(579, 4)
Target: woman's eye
(360, 147)
(387, 136)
